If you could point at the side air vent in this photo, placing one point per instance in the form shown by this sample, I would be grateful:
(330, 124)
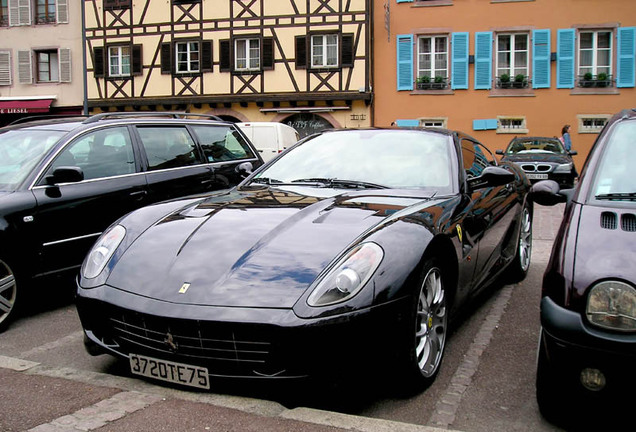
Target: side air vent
(608, 220)
(628, 222)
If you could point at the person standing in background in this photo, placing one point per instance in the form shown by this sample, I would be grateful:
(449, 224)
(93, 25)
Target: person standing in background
(565, 138)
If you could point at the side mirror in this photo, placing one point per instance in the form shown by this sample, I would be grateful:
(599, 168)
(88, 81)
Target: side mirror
(491, 176)
(547, 193)
(65, 174)
(499, 152)
(245, 169)
(573, 152)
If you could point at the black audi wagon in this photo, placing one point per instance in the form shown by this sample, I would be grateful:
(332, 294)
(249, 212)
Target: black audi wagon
(63, 181)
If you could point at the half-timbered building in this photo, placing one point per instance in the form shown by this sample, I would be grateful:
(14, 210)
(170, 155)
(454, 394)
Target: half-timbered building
(302, 62)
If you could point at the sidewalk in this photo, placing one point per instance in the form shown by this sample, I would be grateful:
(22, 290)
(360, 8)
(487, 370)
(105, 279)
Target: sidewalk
(37, 398)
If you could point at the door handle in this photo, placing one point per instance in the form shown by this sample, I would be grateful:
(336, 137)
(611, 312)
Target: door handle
(139, 194)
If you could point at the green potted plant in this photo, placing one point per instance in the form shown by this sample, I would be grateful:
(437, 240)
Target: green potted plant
(520, 81)
(423, 82)
(602, 80)
(439, 82)
(587, 80)
(504, 81)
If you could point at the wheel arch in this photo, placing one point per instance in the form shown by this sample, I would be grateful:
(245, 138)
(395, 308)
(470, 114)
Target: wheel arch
(442, 250)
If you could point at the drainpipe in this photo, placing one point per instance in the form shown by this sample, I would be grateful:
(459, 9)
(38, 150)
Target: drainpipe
(84, 73)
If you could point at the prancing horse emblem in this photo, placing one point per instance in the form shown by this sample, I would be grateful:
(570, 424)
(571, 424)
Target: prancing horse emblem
(169, 341)
(184, 288)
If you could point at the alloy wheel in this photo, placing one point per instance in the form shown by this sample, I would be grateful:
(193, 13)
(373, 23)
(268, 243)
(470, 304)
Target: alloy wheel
(431, 323)
(525, 240)
(8, 291)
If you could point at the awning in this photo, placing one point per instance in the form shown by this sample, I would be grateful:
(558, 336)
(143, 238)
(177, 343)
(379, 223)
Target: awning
(25, 106)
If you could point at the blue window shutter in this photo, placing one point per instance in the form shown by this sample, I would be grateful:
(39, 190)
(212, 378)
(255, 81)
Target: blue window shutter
(459, 78)
(405, 62)
(491, 123)
(626, 55)
(565, 58)
(541, 58)
(407, 123)
(483, 60)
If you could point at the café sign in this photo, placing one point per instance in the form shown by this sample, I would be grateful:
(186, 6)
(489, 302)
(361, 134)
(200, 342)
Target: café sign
(25, 106)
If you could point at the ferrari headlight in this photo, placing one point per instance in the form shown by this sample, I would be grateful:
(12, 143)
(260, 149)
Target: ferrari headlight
(563, 168)
(612, 305)
(102, 251)
(348, 276)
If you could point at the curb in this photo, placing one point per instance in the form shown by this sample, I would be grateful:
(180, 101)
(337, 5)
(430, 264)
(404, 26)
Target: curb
(246, 405)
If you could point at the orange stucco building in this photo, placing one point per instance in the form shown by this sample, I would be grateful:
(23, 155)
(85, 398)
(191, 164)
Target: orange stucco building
(573, 60)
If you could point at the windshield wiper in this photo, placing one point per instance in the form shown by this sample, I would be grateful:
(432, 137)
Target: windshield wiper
(334, 182)
(625, 196)
(266, 180)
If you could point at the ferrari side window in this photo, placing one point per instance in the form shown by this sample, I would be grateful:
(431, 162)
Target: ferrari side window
(474, 159)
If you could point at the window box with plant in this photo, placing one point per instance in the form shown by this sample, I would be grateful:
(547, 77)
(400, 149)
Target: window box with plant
(425, 82)
(600, 80)
(505, 81)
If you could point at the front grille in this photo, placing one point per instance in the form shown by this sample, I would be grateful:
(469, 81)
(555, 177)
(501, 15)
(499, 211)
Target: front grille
(608, 220)
(235, 349)
(628, 222)
(536, 168)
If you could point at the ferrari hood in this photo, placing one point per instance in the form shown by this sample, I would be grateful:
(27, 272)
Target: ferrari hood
(249, 249)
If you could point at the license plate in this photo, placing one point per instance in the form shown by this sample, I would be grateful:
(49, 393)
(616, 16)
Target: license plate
(179, 373)
(537, 176)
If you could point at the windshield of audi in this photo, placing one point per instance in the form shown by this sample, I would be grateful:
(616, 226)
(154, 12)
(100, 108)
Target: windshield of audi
(368, 159)
(20, 151)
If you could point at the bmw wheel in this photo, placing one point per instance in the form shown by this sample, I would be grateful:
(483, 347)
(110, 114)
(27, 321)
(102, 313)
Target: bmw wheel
(8, 293)
(521, 263)
(428, 328)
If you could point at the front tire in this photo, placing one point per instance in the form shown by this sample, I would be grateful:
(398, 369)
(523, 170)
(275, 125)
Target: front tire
(8, 294)
(427, 328)
(518, 269)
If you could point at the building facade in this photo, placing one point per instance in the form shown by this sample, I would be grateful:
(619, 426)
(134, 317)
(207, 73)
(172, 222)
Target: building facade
(305, 63)
(501, 68)
(40, 58)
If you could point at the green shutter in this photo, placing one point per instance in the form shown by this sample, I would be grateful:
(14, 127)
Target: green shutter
(483, 60)
(541, 59)
(404, 62)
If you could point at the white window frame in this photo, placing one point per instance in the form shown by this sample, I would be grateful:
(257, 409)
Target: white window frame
(591, 123)
(53, 65)
(320, 45)
(511, 70)
(193, 57)
(512, 125)
(117, 52)
(594, 67)
(247, 54)
(440, 122)
(432, 72)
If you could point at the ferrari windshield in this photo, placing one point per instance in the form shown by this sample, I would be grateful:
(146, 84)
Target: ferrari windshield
(535, 145)
(369, 159)
(615, 179)
(20, 151)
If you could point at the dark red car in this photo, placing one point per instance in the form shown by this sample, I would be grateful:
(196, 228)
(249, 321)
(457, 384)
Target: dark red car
(586, 369)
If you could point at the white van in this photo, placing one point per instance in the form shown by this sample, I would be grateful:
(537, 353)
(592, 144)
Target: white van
(269, 138)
